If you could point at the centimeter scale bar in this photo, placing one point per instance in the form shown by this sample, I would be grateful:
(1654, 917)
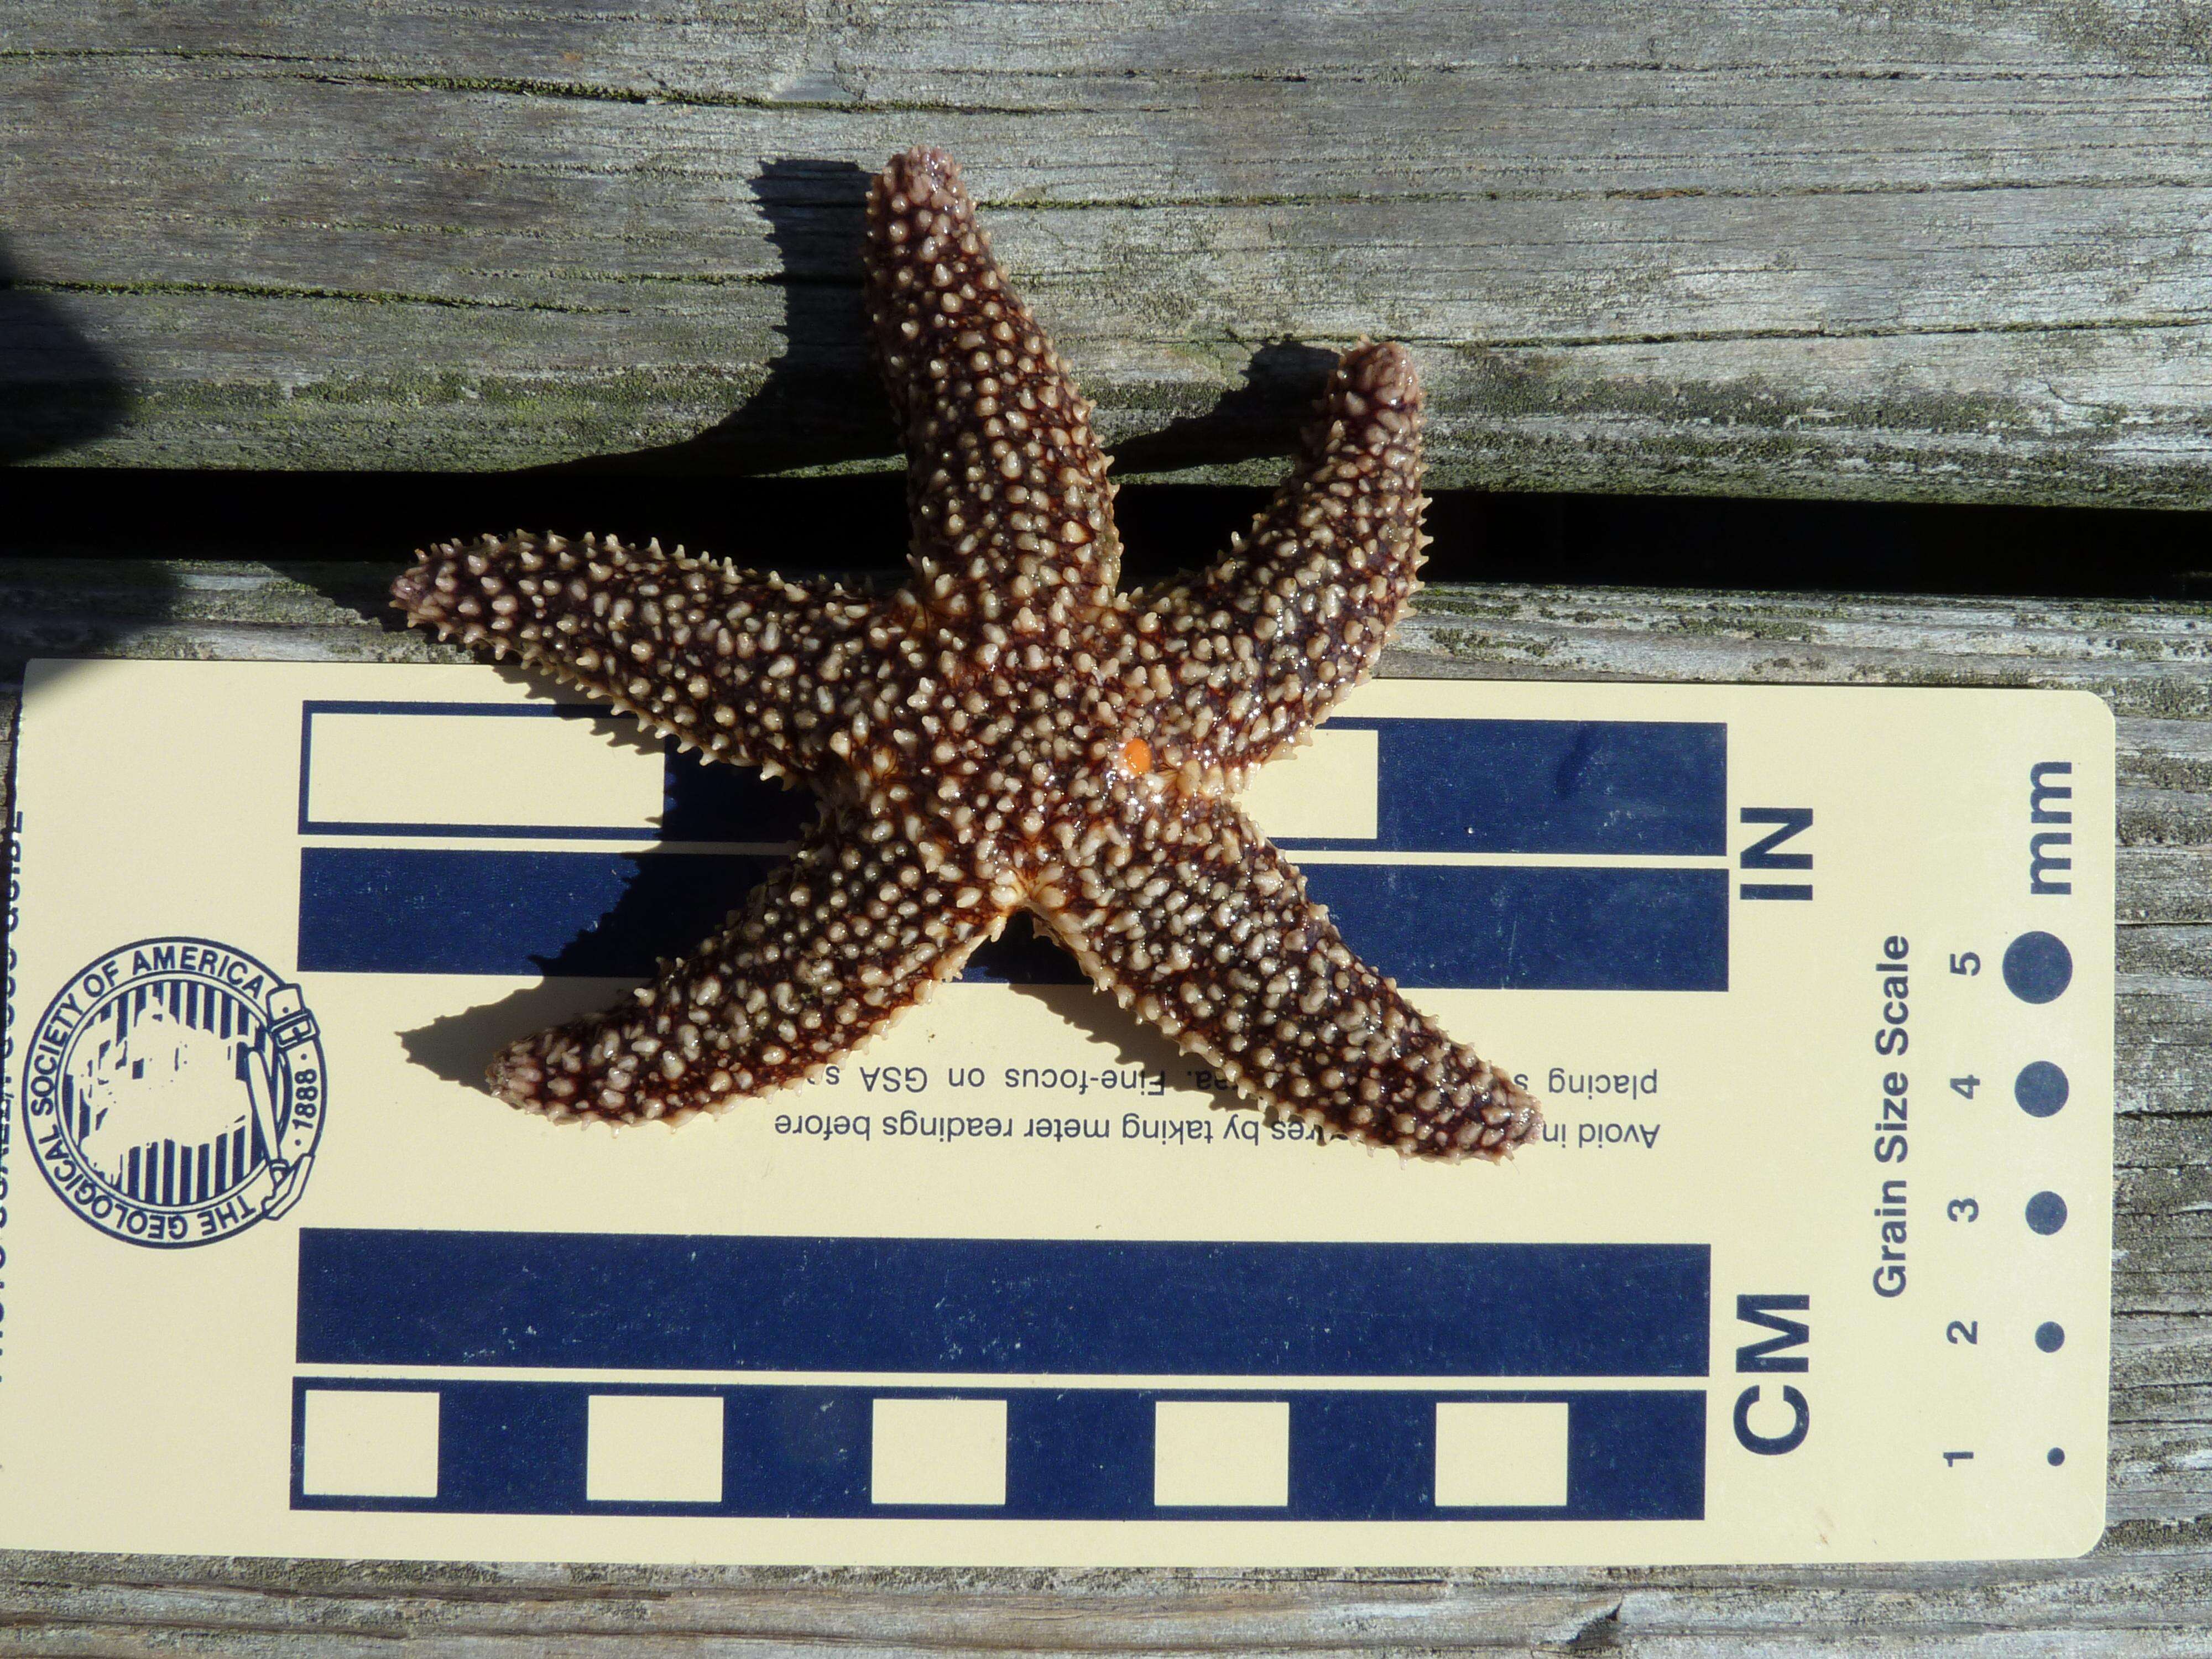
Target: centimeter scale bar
(1065, 1306)
(401, 1300)
(540, 1447)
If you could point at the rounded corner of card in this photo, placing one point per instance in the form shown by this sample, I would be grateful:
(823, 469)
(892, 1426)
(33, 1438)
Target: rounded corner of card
(2093, 707)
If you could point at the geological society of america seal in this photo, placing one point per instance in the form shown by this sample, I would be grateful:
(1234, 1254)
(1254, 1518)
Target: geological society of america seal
(174, 1092)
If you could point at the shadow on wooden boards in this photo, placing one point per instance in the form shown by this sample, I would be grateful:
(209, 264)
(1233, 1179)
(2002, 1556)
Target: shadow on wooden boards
(858, 523)
(57, 389)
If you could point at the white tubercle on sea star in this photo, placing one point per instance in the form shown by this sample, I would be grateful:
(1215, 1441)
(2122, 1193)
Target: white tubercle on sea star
(1007, 730)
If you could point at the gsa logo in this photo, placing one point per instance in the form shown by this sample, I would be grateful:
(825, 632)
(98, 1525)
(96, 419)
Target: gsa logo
(174, 1092)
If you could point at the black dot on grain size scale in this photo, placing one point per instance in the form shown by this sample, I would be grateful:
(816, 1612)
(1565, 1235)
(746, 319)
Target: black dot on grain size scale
(2037, 967)
(2046, 1213)
(2041, 1089)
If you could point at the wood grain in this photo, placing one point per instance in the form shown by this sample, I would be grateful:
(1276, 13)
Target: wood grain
(2147, 1590)
(1929, 248)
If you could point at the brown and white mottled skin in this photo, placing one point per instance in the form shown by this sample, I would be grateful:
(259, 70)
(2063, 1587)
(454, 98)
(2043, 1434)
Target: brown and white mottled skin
(1007, 730)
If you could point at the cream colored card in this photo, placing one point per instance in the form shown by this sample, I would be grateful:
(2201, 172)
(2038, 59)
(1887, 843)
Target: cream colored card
(1812, 1262)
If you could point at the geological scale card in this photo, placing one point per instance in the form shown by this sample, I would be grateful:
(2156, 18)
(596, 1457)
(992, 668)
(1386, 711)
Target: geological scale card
(1811, 1263)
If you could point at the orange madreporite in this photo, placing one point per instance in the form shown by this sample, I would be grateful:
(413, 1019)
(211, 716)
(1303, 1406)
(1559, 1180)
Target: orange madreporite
(1006, 730)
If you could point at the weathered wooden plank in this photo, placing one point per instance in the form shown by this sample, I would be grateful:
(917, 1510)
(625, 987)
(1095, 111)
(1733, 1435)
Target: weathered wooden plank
(1937, 251)
(2147, 1590)
(2164, 884)
(2106, 1605)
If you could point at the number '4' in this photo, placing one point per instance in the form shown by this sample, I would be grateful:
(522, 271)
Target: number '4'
(1967, 1085)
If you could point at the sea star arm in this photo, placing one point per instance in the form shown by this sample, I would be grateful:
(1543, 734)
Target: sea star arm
(1006, 487)
(732, 663)
(1207, 932)
(827, 952)
(1260, 648)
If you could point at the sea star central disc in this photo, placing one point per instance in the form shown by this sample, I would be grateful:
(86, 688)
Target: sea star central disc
(1005, 730)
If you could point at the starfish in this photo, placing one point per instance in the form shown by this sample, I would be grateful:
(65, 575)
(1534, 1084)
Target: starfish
(1004, 731)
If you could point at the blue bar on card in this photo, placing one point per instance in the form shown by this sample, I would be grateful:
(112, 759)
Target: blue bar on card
(375, 1297)
(704, 800)
(436, 911)
(1649, 787)
(1653, 787)
(1532, 927)
(808, 1451)
(424, 910)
